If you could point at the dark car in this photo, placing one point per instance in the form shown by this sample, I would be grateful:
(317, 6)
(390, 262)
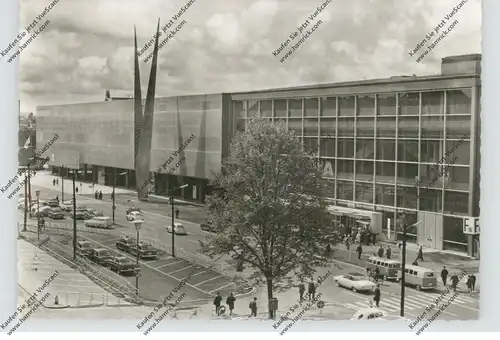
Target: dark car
(84, 248)
(53, 203)
(146, 251)
(208, 226)
(100, 256)
(80, 214)
(56, 214)
(122, 264)
(125, 243)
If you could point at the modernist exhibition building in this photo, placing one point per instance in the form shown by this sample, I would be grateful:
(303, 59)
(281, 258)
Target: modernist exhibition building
(402, 145)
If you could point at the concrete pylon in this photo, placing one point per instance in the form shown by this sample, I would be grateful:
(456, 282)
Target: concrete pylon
(143, 124)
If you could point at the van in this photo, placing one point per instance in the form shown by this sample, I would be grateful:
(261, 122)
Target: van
(419, 277)
(388, 268)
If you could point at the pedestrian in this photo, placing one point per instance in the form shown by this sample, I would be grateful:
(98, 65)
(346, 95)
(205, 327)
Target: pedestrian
(217, 301)
(311, 290)
(328, 250)
(473, 281)
(57, 198)
(415, 263)
(454, 282)
(376, 297)
(420, 255)
(100, 195)
(177, 213)
(112, 196)
(380, 251)
(469, 284)
(253, 307)
(54, 182)
(358, 238)
(302, 290)
(376, 273)
(444, 275)
(347, 243)
(359, 249)
(96, 195)
(388, 252)
(230, 303)
(374, 238)
(57, 181)
(76, 190)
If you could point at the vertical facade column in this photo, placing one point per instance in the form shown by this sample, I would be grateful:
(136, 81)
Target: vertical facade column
(474, 166)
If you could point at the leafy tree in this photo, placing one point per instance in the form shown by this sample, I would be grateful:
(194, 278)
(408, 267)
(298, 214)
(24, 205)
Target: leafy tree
(271, 214)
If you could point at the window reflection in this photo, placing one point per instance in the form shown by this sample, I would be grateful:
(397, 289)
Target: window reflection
(345, 190)
(408, 127)
(386, 127)
(346, 127)
(386, 104)
(408, 150)
(430, 199)
(327, 147)
(253, 108)
(459, 101)
(365, 127)
(311, 107)
(366, 105)
(328, 126)
(431, 151)
(384, 195)
(266, 108)
(364, 192)
(407, 197)
(456, 203)
(458, 127)
(408, 103)
(295, 108)
(328, 107)
(345, 148)
(364, 171)
(365, 149)
(280, 108)
(433, 103)
(432, 127)
(386, 150)
(310, 127)
(385, 172)
(346, 106)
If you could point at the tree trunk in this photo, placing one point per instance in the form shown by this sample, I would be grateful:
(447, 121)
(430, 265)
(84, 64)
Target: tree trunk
(270, 296)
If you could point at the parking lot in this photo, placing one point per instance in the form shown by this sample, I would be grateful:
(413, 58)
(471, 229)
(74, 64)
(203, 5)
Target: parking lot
(158, 277)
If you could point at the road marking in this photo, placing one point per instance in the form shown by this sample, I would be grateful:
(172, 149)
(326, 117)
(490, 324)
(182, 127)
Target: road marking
(229, 284)
(169, 264)
(163, 273)
(213, 278)
(180, 270)
(388, 306)
(413, 301)
(203, 271)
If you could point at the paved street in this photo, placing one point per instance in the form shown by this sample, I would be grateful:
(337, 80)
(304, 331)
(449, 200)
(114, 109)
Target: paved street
(169, 270)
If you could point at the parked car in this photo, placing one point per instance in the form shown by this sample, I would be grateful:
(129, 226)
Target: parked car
(100, 256)
(67, 205)
(354, 281)
(178, 228)
(134, 215)
(80, 214)
(56, 214)
(146, 251)
(99, 222)
(374, 313)
(44, 211)
(125, 243)
(84, 248)
(53, 203)
(208, 226)
(122, 264)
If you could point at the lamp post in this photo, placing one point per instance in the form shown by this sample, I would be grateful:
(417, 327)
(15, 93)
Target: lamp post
(114, 174)
(74, 212)
(403, 263)
(38, 211)
(173, 219)
(138, 225)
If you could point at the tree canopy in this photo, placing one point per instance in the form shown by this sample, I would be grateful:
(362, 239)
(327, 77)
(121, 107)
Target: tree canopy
(271, 214)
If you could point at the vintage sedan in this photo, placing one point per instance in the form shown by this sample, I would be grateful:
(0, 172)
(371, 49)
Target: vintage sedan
(178, 229)
(355, 281)
(208, 226)
(122, 264)
(374, 313)
(134, 216)
(44, 211)
(99, 222)
(84, 248)
(80, 214)
(125, 243)
(53, 203)
(56, 214)
(100, 256)
(146, 251)
(67, 205)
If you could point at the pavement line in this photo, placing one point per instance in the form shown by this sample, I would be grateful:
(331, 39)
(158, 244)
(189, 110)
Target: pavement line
(467, 307)
(169, 264)
(153, 268)
(407, 304)
(213, 278)
(388, 306)
(415, 301)
(203, 271)
(229, 284)
(179, 270)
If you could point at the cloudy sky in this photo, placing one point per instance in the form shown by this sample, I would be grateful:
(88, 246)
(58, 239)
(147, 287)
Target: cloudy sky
(227, 45)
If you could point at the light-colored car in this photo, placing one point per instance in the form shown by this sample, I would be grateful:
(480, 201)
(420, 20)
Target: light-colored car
(99, 222)
(178, 228)
(67, 205)
(355, 281)
(135, 216)
(44, 210)
(374, 313)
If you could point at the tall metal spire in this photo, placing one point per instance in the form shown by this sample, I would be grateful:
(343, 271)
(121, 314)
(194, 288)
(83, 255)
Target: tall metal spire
(137, 102)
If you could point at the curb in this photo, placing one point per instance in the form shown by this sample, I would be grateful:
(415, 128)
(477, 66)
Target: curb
(57, 306)
(88, 306)
(253, 291)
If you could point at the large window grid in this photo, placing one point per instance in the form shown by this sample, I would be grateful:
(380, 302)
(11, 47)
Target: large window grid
(397, 122)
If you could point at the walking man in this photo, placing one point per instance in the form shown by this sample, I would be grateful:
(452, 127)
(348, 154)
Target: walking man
(420, 255)
(57, 181)
(57, 198)
(388, 252)
(347, 243)
(376, 298)
(469, 284)
(54, 182)
(96, 195)
(302, 290)
(380, 251)
(311, 289)
(76, 190)
(230, 303)
(374, 238)
(177, 213)
(444, 275)
(100, 195)
(217, 301)
(253, 307)
(359, 249)
(454, 282)
(473, 281)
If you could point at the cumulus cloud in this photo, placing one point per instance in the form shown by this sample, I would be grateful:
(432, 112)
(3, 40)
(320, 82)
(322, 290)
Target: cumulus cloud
(227, 45)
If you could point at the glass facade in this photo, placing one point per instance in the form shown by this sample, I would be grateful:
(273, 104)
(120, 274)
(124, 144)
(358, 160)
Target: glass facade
(396, 152)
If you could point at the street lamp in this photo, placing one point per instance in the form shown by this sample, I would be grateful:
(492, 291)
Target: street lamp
(173, 211)
(38, 211)
(403, 263)
(74, 212)
(113, 192)
(138, 225)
